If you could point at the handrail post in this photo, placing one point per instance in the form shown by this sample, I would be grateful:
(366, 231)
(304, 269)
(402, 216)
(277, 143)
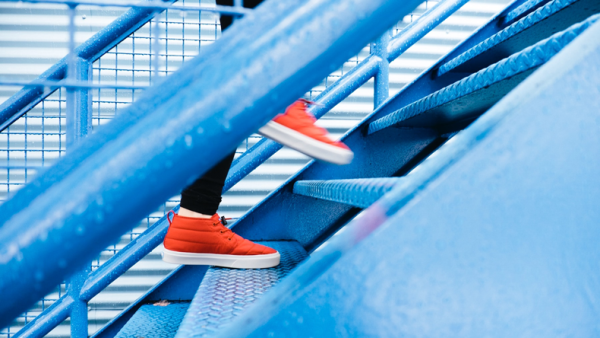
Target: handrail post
(79, 309)
(79, 114)
(79, 123)
(381, 86)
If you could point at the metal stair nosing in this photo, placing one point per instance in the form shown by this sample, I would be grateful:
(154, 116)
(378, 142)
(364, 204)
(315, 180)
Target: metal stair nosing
(360, 192)
(360, 294)
(553, 17)
(474, 94)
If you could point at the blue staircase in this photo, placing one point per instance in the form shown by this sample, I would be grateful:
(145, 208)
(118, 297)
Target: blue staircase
(469, 209)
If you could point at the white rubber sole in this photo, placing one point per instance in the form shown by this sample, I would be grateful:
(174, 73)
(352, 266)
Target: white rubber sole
(306, 145)
(226, 261)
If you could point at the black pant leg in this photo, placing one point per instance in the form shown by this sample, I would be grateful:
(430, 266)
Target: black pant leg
(227, 20)
(204, 195)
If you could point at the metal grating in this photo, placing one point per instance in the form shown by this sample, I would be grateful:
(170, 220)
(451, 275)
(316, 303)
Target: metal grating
(225, 293)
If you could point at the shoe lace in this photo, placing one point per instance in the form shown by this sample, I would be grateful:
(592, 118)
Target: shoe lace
(225, 230)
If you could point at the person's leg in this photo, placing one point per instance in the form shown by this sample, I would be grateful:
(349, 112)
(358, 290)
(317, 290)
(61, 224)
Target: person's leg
(227, 20)
(202, 198)
(197, 236)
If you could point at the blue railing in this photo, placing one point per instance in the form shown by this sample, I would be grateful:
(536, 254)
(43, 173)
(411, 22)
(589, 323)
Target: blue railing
(85, 287)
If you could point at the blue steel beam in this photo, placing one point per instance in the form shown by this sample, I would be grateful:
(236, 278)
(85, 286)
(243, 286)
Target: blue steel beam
(473, 95)
(492, 232)
(126, 169)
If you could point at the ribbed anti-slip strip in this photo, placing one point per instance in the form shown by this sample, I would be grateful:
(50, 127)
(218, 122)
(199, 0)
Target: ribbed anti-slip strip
(360, 192)
(531, 57)
(527, 5)
(159, 320)
(530, 20)
(225, 293)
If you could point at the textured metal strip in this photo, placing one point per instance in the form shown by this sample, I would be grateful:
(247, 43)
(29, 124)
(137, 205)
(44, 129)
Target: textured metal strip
(530, 20)
(154, 321)
(360, 192)
(225, 293)
(529, 58)
(522, 9)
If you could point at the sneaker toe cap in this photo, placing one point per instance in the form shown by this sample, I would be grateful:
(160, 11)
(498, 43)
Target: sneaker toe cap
(258, 249)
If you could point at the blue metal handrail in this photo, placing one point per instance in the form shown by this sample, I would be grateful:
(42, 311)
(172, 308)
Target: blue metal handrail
(186, 114)
(334, 94)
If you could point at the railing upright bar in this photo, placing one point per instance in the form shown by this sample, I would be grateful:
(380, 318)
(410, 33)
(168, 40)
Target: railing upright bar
(381, 88)
(78, 126)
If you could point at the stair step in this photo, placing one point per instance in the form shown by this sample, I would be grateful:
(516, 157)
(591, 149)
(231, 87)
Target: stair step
(470, 97)
(360, 192)
(553, 17)
(225, 293)
(154, 321)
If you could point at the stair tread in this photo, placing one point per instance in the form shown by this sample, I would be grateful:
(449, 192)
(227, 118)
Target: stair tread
(154, 321)
(225, 293)
(525, 31)
(473, 95)
(360, 192)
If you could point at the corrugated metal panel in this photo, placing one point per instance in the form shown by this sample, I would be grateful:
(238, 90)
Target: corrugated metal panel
(33, 37)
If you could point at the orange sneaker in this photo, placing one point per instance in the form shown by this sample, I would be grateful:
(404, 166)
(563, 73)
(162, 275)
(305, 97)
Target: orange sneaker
(206, 241)
(296, 129)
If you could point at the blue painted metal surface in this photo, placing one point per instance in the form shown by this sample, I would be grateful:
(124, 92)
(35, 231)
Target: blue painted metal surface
(243, 165)
(79, 309)
(225, 293)
(179, 286)
(529, 250)
(381, 86)
(524, 8)
(79, 103)
(311, 221)
(473, 95)
(119, 156)
(157, 320)
(547, 20)
(360, 192)
(348, 83)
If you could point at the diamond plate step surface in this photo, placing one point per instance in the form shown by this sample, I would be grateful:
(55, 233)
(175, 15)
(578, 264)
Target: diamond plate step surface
(225, 293)
(154, 321)
(473, 95)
